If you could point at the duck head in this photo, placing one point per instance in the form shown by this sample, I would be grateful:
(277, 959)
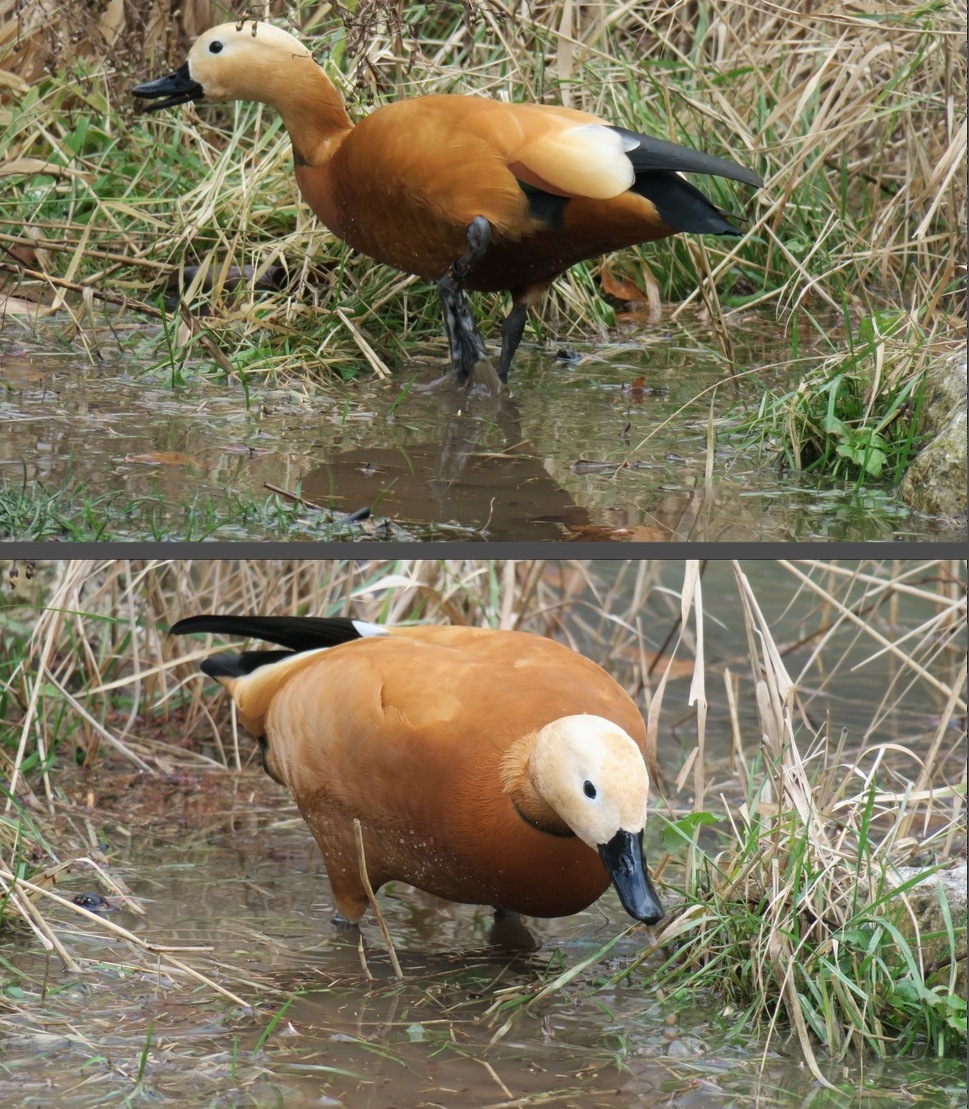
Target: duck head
(592, 777)
(235, 61)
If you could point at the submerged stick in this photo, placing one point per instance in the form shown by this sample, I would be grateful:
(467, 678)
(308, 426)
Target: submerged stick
(365, 878)
(362, 956)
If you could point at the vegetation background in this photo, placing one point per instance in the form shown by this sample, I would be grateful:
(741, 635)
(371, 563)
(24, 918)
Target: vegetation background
(853, 113)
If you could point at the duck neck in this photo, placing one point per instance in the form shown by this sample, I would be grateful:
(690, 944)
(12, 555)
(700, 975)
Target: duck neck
(312, 110)
(518, 782)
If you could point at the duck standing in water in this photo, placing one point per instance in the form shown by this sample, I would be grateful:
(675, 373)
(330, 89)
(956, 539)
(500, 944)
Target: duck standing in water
(486, 767)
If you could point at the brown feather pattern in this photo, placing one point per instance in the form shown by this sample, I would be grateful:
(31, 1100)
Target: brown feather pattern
(425, 735)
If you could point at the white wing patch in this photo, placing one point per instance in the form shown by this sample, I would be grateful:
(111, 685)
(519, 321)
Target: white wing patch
(366, 630)
(588, 159)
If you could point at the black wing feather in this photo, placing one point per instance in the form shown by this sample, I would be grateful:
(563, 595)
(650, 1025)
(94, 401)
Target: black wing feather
(298, 633)
(651, 154)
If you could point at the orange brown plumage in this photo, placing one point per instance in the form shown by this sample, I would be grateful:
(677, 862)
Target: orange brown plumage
(485, 767)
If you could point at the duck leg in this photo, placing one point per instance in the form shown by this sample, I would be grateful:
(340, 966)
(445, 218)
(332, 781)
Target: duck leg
(511, 335)
(464, 340)
(510, 932)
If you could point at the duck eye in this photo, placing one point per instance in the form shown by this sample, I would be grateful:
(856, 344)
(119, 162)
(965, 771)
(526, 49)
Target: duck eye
(589, 790)
(215, 47)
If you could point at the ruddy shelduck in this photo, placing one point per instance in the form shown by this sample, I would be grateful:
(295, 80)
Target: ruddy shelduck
(486, 767)
(468, 192)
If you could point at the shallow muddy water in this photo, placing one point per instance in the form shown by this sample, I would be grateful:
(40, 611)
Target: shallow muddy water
(237, 874)
(610, 446)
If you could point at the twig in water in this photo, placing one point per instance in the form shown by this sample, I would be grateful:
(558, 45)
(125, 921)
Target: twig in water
(365, 878)
(362, 955)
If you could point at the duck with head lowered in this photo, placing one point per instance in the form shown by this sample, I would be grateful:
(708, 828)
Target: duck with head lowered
(486, 767)
(465, 191)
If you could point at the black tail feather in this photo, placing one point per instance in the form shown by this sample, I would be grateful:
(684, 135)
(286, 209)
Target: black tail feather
(238, 666)
(682, 205)
(649, 155)
(298, 633)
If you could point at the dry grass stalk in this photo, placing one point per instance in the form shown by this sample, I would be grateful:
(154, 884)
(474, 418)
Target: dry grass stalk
(371, 897)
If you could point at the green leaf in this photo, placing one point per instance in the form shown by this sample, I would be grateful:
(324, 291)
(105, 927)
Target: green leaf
(676, 832)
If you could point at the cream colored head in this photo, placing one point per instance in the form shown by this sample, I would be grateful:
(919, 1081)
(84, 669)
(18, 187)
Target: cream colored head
(592, 774)
(242, 61)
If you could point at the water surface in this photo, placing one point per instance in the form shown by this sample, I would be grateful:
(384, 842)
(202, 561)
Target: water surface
(612, 444)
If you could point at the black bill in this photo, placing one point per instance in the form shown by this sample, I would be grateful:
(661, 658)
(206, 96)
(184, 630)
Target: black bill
(176, 88)
(623, 858)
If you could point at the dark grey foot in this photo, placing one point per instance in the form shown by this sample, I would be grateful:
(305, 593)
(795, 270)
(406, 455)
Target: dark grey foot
(510, 931)
(464, 340)
(511, 335)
